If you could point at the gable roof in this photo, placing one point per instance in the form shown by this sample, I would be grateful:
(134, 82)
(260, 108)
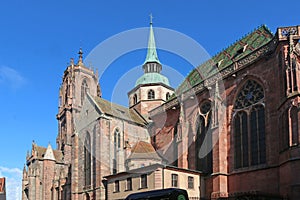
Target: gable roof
(41, 152)
(241, 48)
(118, 111)
(2, 185)
(143, 150)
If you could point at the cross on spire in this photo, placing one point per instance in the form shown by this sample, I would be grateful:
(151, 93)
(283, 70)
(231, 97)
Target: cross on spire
(151, 18)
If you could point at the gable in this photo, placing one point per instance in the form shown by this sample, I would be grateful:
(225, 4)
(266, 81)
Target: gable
(88, 115)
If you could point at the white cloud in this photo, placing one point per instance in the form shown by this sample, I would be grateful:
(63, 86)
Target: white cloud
(13, 182)
(11, 77)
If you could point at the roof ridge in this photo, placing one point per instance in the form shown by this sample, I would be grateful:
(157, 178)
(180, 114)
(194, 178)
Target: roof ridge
(112, 102)
(265, 35)
(240, 39)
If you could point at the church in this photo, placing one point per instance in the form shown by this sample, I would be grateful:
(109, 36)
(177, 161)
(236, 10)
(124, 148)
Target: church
(229, 131)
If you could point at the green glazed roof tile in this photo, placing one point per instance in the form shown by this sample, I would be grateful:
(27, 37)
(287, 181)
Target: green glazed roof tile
(254, 40)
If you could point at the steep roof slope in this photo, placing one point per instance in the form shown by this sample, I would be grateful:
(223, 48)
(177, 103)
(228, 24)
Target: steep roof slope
(112, 109)
(241, 48)
(143, 150)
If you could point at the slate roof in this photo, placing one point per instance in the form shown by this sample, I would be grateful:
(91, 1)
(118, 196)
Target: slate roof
(143, 150)
(241, 48)
(115, 110)
(2, 185)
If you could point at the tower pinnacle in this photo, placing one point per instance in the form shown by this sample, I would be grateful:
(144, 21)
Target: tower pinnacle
(80, 55)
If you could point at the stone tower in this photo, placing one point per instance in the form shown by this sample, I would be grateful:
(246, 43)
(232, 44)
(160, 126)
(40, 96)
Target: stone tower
(152, 89)
(77, 81)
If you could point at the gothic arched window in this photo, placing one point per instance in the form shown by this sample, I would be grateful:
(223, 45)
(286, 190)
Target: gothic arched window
(67, 94)
(249, 126)
(117, 146)
(168, 96)
(175, 145)
(134, 99)
(87, 160)
(203, 143)
(151, 94)
(294, 123)
(84, 90)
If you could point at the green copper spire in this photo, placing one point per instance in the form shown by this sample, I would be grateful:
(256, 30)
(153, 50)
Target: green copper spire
(151, 53)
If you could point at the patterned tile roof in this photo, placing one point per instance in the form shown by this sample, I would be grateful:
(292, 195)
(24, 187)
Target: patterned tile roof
(119, 111)
(241, 48)
(143, 150)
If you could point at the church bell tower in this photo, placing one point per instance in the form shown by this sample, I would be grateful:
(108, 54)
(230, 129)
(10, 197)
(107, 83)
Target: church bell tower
(152, 89)
(76, 82)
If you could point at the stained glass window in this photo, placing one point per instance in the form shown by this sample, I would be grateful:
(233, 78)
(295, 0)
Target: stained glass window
(251, 93)
(203, 145)
(249, 126)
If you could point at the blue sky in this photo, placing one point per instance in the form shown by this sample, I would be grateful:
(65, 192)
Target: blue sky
(38, 38)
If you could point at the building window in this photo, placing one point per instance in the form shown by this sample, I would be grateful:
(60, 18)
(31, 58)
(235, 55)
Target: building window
(174, 180)
(289, 128)
(151, 94)
(117, 186)
(144, 181)
(175, 145)
(117, 145)
(87, 160)
(203, 143)
(84, 90)
(249, 126)
(134, 99)
(129, 184)
(168, 96)
(191, 182)
(294, 123)
(118, 138)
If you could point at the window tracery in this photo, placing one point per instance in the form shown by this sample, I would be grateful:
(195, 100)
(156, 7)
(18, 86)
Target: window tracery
(249, 126)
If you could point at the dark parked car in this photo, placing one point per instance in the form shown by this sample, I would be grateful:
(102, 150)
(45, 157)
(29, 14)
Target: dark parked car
(164, 194)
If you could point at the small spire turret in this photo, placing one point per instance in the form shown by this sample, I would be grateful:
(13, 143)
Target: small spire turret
(71, 61)
(80, 61)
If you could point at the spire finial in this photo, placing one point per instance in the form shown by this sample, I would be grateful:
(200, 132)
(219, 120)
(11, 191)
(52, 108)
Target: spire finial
(80, 54)
(80, 61)
(151, 18)
(72, 61)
